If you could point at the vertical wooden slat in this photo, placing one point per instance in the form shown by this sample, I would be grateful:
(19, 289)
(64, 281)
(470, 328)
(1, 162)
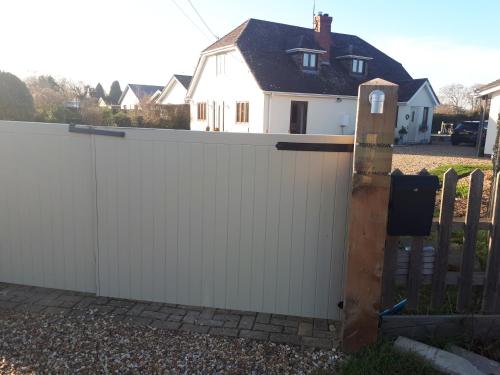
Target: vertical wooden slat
(390, 265)
(444, 233)
(415, 266)
(493, 265)
(470, 236)
(390, 268)
(415, 271)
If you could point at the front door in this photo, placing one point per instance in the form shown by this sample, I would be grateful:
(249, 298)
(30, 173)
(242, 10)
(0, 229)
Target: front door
(298, 117)
(413, 128)
(218, 116)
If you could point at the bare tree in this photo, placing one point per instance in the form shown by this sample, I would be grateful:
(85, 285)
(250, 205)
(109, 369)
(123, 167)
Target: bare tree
(459, 98)
(456, 95)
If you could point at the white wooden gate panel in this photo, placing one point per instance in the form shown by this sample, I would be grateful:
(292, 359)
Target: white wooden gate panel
(222, 220)
(47, 207)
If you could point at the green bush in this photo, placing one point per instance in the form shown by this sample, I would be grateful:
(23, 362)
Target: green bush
(16, 102)
(121, 119)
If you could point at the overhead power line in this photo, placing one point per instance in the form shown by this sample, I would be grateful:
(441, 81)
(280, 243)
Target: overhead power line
(202, 20)
(191, 20)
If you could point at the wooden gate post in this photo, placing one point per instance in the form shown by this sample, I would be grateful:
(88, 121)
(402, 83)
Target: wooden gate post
(368, 215)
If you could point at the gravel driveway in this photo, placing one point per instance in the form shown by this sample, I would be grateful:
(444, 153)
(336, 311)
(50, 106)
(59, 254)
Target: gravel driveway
(89, 343)
(411, 159)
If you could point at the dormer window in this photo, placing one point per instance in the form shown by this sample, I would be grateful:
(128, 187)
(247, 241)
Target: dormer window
(309, 61)
(358, 66)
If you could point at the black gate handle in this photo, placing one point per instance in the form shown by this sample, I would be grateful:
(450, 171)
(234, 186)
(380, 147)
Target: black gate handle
(87, 129)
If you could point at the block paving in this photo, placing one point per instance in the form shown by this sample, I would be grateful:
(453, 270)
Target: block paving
(291, 330)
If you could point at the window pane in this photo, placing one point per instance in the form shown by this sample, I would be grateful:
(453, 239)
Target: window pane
(312, 61)
(305, 62)
(360, 66)
(354, 66)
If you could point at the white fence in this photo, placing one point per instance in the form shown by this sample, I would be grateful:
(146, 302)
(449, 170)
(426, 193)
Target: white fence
(209, 219)
(47, 209)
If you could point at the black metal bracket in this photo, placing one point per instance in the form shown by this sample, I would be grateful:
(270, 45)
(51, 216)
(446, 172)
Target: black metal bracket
(322, 147)
(87, 129)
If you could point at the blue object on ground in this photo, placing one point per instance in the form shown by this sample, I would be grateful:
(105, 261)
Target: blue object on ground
(394, 309)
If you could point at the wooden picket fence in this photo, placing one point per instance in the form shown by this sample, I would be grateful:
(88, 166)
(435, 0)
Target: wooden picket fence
(421, 265)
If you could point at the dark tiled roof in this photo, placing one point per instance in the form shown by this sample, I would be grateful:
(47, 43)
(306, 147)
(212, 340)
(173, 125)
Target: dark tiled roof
(263, 45)
(184, 80)
(142, 91)
(408, 88)
(229, 39)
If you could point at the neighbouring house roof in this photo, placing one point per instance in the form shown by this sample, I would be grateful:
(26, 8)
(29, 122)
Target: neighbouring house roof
(142, 91)
(407, 89)
(489, 88)
(263, 45)
(184, 80)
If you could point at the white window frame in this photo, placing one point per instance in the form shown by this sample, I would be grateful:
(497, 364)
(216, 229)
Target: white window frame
(220, 64)
(358, 66)
(309, 61)
(242, 112)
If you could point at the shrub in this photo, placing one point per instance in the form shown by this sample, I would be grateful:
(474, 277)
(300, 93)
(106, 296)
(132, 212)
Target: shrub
(121, 119)
(16, 102)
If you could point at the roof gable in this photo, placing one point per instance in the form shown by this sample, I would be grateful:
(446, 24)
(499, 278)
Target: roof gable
(183, 80)
(409, 89)
(142, 91)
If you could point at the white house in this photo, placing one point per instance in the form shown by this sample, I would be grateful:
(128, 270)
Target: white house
(175, 91)
(133, 94)
(491, 92)
(266, 77)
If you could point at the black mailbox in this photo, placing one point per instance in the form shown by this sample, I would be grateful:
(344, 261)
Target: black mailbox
(411, 205)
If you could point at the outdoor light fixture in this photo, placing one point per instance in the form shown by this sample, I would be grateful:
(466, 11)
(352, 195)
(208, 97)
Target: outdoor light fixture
(376, 99)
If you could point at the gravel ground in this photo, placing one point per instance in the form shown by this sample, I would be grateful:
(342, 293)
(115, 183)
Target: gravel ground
(411, 159)
(87, 343)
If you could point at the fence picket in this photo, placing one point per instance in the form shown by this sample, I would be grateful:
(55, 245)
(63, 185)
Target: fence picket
(415, 271)
(415, 265)
(470, 236)
(493, 265)
(390, 268)
(445, 224)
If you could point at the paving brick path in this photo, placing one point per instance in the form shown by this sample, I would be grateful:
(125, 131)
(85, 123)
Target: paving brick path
(319, 333)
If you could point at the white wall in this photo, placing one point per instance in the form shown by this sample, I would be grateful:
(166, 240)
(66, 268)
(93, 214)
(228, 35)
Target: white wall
(492, 123)
(176, 94)
(237, 84)
(417, 103)
(130, 100)
(324, 114)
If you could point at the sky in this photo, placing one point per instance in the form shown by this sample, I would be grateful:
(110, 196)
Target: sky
(149, 40)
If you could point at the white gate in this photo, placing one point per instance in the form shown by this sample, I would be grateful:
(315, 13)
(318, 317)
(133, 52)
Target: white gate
(208, 219)
(47, 207)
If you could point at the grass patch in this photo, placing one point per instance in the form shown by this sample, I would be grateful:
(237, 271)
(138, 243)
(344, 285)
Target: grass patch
(462, 170)
(382, 358)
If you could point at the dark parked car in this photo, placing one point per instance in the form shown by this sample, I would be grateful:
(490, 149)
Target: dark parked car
(467, 131)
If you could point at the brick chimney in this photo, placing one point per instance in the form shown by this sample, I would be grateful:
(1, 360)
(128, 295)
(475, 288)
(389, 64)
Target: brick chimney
(323, 35)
